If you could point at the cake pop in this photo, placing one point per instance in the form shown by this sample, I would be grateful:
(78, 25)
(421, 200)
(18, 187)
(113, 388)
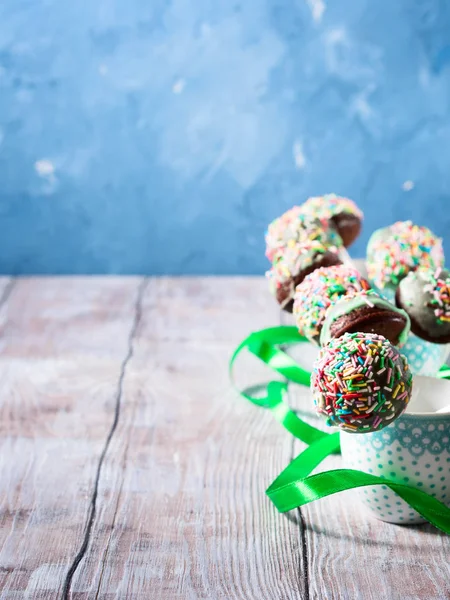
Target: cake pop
(294, 227)
(341, 212)
(293, 265)
(318, 291)
(425, 295)
(394, 251)
(360, 382)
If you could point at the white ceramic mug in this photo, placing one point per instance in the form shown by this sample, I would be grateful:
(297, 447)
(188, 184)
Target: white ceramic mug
(415, 450)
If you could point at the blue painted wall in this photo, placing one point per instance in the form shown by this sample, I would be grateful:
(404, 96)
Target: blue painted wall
(162, 136)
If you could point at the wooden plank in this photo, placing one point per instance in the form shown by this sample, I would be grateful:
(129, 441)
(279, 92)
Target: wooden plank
(183, 511)
(67, 316)
(62, 349)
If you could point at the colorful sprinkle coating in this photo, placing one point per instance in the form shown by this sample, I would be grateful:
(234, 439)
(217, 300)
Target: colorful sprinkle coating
(438, 287)
(318, 291)
(394, 251)
(295, 227)
(294, 259)
(329, 206)
(360, 382)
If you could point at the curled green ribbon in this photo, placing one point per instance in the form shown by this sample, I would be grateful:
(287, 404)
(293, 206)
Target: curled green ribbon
(263, 344)
(295, 486)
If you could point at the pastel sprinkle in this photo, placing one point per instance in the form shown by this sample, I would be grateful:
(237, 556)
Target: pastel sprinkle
(288, 266)
(438, 288)
(296, 227)
(394, 251)
(318, 291)
(331, 205)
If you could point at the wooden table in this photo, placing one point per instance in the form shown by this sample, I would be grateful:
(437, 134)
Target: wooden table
(130, 469)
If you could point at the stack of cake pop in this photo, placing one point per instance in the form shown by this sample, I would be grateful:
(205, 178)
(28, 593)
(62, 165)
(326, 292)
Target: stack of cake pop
(308, 237)
(405, 263)
(361, 380)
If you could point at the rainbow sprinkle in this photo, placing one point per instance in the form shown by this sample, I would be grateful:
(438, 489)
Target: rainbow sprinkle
(295, 227)
(331, 205)
(318, 291)
(438, 287)
(294, 259)
(360, 382)
(394, 251)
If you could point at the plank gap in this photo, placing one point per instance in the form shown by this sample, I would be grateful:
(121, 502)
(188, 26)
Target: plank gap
(297, 516)
(7, 292)
(93, 503)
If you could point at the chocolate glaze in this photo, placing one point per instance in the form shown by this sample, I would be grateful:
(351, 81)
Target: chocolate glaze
(285, 293)
(416, 327)
(367, 319)
(348, 226)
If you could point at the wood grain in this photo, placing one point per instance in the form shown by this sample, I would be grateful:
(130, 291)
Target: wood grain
(59, 368)
(130, 469)
(184, 513)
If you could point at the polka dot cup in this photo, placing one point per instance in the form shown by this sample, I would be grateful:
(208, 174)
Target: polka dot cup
(415, 450)
(424, 358)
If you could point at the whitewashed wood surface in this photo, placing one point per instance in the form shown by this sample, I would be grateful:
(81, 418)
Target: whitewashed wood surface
(129, 468)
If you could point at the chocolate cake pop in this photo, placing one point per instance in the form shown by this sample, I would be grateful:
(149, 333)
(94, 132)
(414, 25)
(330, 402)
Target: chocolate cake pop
(296, 227)
(342, 213)
(318, 291)
(425, 296)
(394, 251)
(293, 265)
(360, 382)
(366, 312)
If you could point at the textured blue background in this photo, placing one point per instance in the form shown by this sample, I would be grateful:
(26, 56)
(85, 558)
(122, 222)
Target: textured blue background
(162, 136)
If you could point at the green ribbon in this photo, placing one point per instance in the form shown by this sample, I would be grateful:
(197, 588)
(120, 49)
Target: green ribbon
(263, 344)
(444, 372)
(295, 486)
